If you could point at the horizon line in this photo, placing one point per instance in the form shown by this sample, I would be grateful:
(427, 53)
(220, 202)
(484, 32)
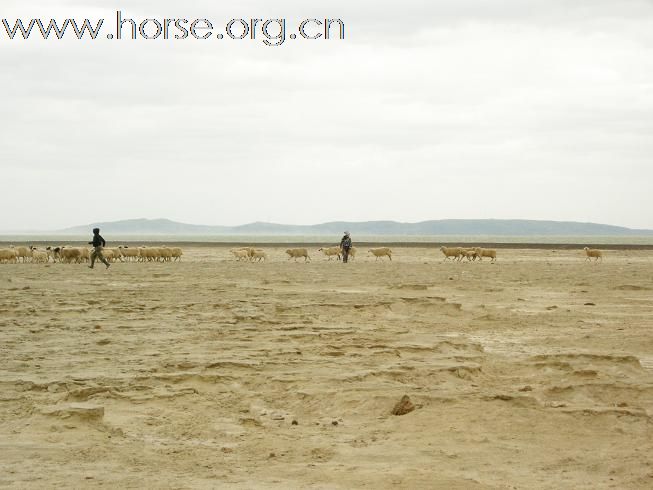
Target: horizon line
(69, 229)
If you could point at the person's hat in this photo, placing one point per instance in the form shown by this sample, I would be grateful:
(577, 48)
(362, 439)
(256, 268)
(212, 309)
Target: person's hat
(346, 233)
(96, 230)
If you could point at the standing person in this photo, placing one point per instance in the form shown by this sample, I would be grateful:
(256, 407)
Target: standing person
(98, 244)
(345, 245)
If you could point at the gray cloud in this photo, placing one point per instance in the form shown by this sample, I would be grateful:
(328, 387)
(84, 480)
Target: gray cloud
(427, 110)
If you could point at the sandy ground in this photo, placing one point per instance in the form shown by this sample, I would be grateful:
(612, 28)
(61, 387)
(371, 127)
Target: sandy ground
(535, 372)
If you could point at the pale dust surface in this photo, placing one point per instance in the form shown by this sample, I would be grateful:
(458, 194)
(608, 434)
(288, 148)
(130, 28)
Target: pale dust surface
(534, 372)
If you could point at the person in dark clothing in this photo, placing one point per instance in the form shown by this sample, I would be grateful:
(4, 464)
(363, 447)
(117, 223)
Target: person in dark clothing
(345, 245)
(98, 244)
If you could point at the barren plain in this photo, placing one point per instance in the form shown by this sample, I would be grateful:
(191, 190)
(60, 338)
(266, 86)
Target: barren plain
(534, 372)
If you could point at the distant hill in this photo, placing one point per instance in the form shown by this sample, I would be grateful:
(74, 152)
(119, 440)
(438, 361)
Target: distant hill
(148, 227)
(495, 227)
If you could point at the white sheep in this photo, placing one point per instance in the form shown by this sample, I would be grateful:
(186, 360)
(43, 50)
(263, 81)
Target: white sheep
(177, 253)
(486, 252)
(109, 254)
(592, 252)
(259, 255)
(470, 254)
(117, 253)
(130, 253)
(157, 254)
(449, 252)
(8, 255)
(147, 254)
(240, 254)
(70, 254)
(153, 254)
(249, 250)
(331, 251)
(39, 256)
(86, 254)
(352, 253)
(381, 252)
(298, 252)
(23, 253)
(166, 254)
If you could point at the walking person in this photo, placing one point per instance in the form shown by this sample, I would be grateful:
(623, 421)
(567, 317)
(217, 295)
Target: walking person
(345, 245)
(98, 244)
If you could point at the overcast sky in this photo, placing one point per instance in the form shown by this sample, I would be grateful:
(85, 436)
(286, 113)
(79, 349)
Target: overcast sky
(427, 110)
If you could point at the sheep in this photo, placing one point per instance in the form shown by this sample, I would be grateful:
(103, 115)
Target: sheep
(157, 254)
(161, 254)
(352, 253)
(86, 254)
(151, 254)
(116, 252)
(298, 252)
(39, 256)
(8, 255)
(165, 253)
(331, 251)
(381, 252)
(109, 254)
(176, 253)
(240, 254)
(147, 254)
(69, 255)
(259, 255)
(449, 252)
(55, 253)
(249, 250)
(592, 252)
(23, 253)
(130, 253)
(470, 254)
(486, 252)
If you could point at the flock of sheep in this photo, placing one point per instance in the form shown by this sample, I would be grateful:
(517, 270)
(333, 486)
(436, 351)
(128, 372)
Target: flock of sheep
(471, 254)
(249, 253)
(258, 255)
(255, 254)
(450, 253)
(77, 255)
(331, 252)
(164, 254)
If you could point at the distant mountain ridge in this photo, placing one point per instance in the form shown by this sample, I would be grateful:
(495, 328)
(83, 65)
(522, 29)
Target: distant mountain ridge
(500, 227)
